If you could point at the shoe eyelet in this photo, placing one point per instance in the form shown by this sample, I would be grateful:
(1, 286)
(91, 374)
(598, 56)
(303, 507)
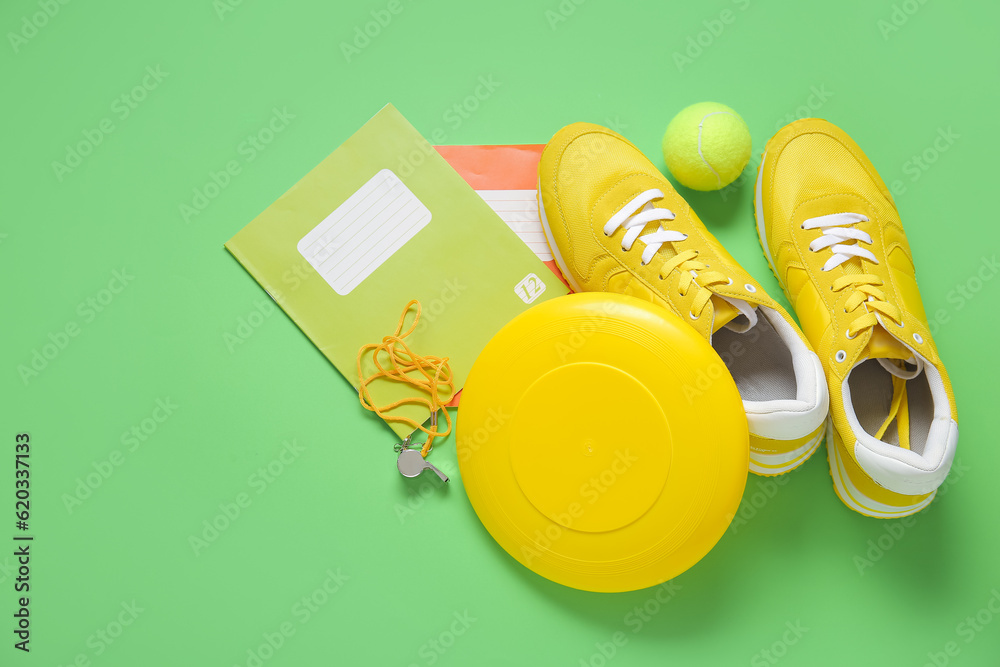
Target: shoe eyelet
(900, 324)
(750, 288)
(693, 316)
(840, 356)
(730, 282)
(849, 336)
(917, 337)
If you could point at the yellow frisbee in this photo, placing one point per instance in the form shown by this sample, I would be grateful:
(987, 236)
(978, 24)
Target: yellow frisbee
(602, 442)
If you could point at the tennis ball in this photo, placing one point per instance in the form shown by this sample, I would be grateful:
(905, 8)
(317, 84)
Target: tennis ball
(706, 146)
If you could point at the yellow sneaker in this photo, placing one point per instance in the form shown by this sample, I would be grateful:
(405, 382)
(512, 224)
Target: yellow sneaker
(615, 224)
(832, 235)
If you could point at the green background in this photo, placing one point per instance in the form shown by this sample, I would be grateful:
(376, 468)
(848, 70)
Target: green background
(413, 553)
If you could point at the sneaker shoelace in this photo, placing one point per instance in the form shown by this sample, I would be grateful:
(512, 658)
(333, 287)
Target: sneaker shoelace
(899, 409)
(634, 217)
(845, 241)
(838, 235)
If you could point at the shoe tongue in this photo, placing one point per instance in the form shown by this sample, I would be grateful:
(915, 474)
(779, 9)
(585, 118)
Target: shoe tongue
(892, 355)
(727, 312)
(883, 346)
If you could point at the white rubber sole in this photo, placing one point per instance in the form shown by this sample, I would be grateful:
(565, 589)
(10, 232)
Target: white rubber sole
(758, 214)
(770, 465)
(855, 499)
(556, 255)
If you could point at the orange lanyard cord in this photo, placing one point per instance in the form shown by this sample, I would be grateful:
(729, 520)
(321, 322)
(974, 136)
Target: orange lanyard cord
(435, 379)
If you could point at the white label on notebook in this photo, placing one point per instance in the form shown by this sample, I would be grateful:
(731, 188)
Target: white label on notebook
(530, 288)
(364, 231)
(519, 209)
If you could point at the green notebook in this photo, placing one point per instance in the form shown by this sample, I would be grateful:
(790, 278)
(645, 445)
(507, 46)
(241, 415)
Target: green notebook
(383, 220)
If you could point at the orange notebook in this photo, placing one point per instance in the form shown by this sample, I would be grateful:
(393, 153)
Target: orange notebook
(506, 177)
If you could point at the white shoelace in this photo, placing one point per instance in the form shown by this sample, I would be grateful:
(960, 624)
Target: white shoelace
(635, 215)
(836, 233)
